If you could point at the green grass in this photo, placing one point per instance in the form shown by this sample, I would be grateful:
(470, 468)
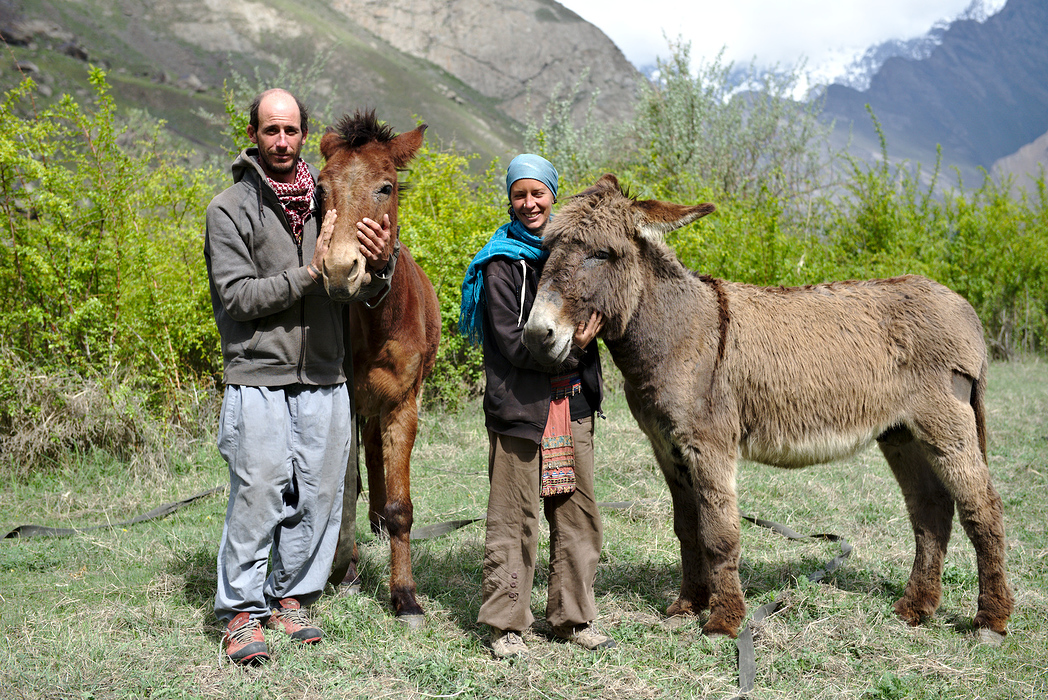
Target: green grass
(127, 613)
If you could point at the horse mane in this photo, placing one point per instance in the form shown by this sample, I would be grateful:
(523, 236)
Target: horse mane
(363, 127)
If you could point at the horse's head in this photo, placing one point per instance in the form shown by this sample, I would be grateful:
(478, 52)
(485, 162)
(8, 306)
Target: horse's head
(597, 242)
(359, 179)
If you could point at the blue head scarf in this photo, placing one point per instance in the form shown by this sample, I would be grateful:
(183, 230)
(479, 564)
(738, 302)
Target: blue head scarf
(533, 167)
(511, 242)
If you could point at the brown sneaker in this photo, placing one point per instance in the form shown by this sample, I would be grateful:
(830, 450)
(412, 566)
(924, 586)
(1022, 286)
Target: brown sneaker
(291, 618)
(508, 644)
(244, 641)
(586, 636)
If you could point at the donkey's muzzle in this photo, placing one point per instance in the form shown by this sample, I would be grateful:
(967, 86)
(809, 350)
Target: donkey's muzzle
(545, 335)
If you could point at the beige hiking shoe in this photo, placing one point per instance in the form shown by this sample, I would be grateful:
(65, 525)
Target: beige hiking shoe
(507, 644)
(586, 636)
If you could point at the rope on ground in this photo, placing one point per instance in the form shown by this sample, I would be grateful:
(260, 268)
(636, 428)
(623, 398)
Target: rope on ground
(23, 531)
(744, 642)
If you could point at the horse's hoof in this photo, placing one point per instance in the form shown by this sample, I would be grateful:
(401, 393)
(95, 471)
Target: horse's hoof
(412, 622)
(989, 637)
(347, 589)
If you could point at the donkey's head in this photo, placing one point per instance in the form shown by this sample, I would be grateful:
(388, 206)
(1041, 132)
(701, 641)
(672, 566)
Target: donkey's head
(359, 179)
(597, 244)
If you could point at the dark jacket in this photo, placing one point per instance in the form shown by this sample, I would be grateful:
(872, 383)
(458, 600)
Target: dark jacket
(517, 396)
(278, 326)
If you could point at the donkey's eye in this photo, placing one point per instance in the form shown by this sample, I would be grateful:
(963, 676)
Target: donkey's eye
(602, 254)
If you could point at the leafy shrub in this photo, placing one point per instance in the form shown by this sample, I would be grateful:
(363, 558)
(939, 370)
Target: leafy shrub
(107, 339)
(448, 214)
(101, 252)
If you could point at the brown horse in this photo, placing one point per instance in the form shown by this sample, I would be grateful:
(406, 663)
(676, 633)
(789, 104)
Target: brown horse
(788, 377)
(391, 343)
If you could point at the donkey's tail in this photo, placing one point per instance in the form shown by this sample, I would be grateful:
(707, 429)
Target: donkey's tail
(978, 401)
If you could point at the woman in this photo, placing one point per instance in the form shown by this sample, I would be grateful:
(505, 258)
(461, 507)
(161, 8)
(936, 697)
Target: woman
(540, 431)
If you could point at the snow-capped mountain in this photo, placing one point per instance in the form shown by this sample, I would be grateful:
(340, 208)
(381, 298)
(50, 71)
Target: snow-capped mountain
(860, 71)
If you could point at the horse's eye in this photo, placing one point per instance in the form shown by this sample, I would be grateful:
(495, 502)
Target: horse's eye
(386, 190)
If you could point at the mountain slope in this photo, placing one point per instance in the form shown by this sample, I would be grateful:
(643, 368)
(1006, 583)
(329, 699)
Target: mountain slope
(172, 57)
(982, 93)
(517, 52)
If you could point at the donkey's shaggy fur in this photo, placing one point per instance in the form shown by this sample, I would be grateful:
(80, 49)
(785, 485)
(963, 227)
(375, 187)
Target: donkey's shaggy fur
(784, 376)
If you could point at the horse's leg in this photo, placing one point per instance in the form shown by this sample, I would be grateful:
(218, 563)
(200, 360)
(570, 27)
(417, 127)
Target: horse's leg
(399, 427)
(374, 461)
(930, 507)
(713, 473)
(951, 444)
(344, 568)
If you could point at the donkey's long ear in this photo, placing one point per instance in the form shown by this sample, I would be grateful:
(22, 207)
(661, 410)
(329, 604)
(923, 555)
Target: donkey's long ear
(654, 219)
(404, 147)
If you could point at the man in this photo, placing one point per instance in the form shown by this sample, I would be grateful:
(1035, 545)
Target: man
(286, 424)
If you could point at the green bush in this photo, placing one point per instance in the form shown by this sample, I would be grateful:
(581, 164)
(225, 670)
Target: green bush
(101, 256)
(101, 252)
(448, 214)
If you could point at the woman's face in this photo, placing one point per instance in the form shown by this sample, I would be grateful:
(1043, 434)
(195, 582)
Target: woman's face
(531, 202)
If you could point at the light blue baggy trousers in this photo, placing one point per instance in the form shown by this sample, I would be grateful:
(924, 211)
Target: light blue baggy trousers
(287, 449)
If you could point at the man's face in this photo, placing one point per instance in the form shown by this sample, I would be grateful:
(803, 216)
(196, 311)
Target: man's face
(279, 136)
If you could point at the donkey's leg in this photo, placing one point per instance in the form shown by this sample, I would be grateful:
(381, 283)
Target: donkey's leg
(952, 447)
(694, 588)
(718, 516)
(399, 427)
(930, 507)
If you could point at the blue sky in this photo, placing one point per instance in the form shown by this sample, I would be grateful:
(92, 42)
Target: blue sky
(827, 33)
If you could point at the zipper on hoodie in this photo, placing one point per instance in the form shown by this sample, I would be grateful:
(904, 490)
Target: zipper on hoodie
(301, 317)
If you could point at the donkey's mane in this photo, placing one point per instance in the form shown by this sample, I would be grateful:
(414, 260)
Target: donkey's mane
(363, 127)
(602, 186)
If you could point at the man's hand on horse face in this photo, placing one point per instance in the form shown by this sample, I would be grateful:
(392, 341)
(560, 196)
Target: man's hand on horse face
(374, 241)
(327, 228)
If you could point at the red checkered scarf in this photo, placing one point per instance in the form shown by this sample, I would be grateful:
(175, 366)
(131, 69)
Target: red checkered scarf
(296, 198)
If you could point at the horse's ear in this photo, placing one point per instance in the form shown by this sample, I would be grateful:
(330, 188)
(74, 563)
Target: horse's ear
(328, 143)
(654, 219)
(404, 147)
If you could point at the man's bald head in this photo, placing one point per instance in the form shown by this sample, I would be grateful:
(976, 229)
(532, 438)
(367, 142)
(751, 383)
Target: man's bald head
(257, 102)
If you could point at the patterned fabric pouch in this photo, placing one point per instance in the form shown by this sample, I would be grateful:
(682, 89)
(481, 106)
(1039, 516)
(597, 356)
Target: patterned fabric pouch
(558, 447)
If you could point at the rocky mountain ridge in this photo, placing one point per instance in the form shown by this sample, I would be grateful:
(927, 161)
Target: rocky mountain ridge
(475, 70)
(859, 73)
(982, 94)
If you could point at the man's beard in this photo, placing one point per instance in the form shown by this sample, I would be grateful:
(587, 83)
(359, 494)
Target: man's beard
(278, 168)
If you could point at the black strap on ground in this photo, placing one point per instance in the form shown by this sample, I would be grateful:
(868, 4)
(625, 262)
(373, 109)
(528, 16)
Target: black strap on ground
(159, 512)
(430, 532)
(747, 655)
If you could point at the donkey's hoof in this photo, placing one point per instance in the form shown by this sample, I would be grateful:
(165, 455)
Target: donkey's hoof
(989, 637)
(676, 621)
(412, 622)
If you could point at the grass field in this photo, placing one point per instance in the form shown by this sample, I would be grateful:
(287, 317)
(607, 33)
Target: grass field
(126, 613)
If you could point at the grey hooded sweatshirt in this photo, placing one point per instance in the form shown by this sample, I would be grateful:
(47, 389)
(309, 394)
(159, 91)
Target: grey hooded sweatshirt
(278, 326)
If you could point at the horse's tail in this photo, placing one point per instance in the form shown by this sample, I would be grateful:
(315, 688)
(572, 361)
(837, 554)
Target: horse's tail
(978, 402)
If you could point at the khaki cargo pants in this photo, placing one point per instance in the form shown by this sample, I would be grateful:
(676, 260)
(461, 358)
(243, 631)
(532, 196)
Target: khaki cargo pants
(511, 540)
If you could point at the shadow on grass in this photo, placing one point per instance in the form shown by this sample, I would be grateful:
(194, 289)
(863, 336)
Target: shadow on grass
(198, 570)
